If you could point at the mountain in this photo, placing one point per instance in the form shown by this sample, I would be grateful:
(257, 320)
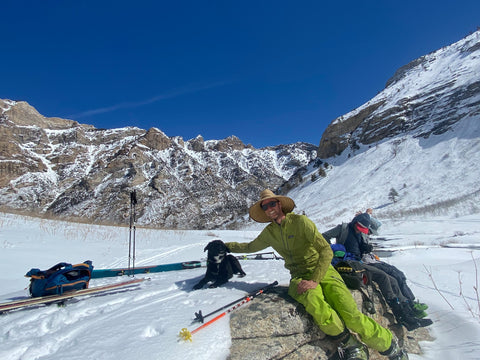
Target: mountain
(69, 170)
(425, 97)
(420, 136)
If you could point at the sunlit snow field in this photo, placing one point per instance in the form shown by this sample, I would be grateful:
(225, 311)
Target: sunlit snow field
(144, 322)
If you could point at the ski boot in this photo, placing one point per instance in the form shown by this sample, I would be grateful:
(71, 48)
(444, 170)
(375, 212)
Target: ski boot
(412, 318)
(402, 316)
(406, 316)
(352, 349)
(395, 352)
(419, 306)
(419, 309)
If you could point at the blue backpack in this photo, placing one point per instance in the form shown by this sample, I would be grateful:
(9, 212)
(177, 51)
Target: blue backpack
(60, 278)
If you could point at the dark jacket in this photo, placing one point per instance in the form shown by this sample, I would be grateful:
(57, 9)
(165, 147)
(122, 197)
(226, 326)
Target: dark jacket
(345, 234)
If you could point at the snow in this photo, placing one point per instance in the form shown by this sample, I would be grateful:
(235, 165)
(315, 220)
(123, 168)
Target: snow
(145, 322)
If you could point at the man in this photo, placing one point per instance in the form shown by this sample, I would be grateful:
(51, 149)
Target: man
(391, 281)
(354, 235)
(314, 282)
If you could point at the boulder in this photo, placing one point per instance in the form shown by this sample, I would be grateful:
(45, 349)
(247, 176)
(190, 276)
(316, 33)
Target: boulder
(275, 327)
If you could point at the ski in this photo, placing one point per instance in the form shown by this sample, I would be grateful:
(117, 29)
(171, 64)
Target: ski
(260, 256)
(49, 299)
(102, 273)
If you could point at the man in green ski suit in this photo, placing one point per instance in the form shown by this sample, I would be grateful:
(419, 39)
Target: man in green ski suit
(314, 282)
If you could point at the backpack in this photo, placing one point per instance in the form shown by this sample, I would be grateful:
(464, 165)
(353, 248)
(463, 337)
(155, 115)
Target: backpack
(353, 273)
(59, 278)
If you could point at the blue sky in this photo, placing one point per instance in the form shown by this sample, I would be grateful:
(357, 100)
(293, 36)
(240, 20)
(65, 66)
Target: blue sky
(269, 72)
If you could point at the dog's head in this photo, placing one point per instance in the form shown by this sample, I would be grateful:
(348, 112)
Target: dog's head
(217, 251)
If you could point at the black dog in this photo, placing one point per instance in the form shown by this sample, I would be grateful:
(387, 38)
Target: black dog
(220, 266)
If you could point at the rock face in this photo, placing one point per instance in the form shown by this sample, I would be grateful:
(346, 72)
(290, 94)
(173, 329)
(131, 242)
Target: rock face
(275, 327)
(424, 97)
(69, 170)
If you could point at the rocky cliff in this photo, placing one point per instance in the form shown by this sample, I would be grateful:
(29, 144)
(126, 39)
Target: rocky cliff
(424, 97)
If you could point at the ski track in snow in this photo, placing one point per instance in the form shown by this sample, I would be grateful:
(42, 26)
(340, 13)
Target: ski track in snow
(176, 250)
(55, 327)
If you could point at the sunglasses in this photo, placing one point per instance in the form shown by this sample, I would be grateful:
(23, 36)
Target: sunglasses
(271, 204)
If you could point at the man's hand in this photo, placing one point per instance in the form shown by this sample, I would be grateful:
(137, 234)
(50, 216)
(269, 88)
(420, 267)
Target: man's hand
(305, 285)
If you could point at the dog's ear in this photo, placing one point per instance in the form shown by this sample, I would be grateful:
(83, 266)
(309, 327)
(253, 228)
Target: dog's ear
(211, 244)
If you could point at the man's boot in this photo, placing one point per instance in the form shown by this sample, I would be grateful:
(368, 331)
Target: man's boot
(410, 314)
(405, 316)
(401, 316)
(419, 306)
(352, 349)
(395, 352)
(419, 309)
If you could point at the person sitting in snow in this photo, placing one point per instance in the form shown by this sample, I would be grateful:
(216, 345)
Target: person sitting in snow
(314, 282)
(391, 281)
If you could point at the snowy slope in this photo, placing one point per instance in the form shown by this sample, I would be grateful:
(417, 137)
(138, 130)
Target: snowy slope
(144, 323)
(438, 175)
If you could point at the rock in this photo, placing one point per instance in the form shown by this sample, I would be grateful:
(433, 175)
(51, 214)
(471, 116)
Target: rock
(275, 327)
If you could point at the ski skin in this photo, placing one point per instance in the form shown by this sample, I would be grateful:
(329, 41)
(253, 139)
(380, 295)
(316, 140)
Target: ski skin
(19, 304)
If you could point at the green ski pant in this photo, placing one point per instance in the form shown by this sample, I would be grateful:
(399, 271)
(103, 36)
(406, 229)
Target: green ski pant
(331, 302)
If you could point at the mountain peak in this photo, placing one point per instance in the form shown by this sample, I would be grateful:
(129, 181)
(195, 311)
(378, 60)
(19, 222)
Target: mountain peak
(426, 96)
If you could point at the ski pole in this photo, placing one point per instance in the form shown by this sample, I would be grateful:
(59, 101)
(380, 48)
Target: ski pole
(131, 254)
(199, 317)
(187, 335)
(133, 195)
(130, 235)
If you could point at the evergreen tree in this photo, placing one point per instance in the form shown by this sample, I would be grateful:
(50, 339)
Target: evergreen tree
(393, 195)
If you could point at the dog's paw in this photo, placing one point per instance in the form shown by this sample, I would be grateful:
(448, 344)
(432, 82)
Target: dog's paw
(218, 283)
(197, 287)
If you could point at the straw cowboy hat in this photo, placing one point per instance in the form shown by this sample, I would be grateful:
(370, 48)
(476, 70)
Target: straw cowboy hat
(256, 212)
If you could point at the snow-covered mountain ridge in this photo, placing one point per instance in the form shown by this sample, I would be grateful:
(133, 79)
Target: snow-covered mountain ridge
(57, 166)
(424, 97)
